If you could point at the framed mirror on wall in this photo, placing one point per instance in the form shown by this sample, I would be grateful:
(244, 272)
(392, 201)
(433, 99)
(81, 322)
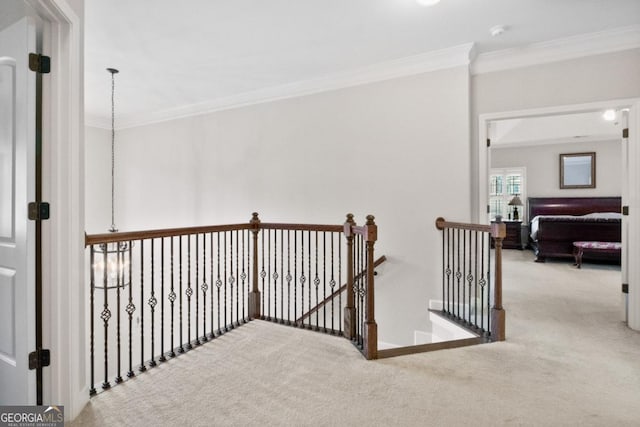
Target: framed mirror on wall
(578, 170)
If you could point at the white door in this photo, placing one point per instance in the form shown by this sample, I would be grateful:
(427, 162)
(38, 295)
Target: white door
(17, 233)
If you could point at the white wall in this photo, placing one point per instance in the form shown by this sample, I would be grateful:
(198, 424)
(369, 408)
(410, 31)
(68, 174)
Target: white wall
(582, 80)
(97, 177)
(397, 149)
(543, 172)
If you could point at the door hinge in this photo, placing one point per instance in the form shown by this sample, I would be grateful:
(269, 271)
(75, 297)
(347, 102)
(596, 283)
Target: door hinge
(488, 142)
(625, 288)
(38, 211)
(625, 133)
(488, 209)
(39, 63)
(625, 210)
(39, 358)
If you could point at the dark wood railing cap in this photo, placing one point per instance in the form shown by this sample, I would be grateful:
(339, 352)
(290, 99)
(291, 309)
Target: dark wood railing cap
(350, 219)
(254, 218)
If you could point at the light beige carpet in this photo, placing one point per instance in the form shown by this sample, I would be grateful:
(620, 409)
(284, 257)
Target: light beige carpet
(568, 361)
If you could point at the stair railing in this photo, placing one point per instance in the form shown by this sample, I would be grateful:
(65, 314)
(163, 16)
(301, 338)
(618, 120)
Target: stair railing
(467, 296)
(159, 293)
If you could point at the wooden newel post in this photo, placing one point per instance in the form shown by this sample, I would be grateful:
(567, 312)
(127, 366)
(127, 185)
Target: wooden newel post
(370, 326)
(498, 231)
(254, 295)
(350, 308)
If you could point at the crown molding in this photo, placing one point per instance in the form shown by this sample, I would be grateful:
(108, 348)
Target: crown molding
(423, 63)
(558, 50)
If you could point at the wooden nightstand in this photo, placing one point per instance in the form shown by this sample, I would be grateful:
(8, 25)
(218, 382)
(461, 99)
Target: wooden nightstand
(513, 239)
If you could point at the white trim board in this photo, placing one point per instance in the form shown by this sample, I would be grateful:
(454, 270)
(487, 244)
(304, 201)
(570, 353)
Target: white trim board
(63, 235)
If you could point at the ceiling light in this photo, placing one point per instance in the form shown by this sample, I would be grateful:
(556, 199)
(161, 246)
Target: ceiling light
(609, 115)
(427, 2)
(497, 30)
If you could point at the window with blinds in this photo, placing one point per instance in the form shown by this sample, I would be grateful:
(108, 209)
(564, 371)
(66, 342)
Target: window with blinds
(504, 184)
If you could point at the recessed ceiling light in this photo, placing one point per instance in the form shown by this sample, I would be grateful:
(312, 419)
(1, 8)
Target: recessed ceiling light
(609, 115)
(427, 2)
(497, 30)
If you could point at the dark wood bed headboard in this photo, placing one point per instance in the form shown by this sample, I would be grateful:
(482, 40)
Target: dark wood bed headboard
(572, 205)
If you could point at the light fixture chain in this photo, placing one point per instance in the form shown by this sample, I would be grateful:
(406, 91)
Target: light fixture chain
(113, 139)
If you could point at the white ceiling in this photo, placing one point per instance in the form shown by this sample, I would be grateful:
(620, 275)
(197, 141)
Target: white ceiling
(175, 55)
(556, 129)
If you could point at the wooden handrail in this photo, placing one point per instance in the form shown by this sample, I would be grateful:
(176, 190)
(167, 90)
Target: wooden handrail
(324, 302)
(442, 224)
(102, 238)
(301, 227)
(125, 236)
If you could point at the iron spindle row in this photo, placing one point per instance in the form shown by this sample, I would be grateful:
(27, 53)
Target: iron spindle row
(294, 267)
(165, 292)
(293, 275)
(466, 277)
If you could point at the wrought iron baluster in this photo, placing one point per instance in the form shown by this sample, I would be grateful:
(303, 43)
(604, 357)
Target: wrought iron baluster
(332, 284)
(309, 271)
(181, 349)
(237, 281)
(324, 280)
(268, 291)
(92, 281)
(152, 303)
(119, 285)
(188, 293)
(232, 281)
(130, 310)
(448, 271)
(358, 291)
(142, 365)
(488, 245)
(219, 285)
(289, 277)
(356, 287)
(196, 281)
(212, 334)
(204, 287)
(281, 276)
(172, 299)
(226, 324)
(464, 266)
(458, 277)
(245, 291)
(105, 316)
(475, 284)
(263, 275)
(162, 357)
(275, 276)
(316, 282)
(363, 288)
(295, 275)
(303, 278)
(340, 281)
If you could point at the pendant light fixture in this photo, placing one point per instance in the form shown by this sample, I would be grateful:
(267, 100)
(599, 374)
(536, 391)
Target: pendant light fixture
(113, 261)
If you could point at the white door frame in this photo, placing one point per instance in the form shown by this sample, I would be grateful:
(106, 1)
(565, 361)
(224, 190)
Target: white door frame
(63, 186)
(630, 172)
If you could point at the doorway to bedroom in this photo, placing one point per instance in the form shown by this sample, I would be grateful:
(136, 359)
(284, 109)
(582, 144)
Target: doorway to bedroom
(531, 143)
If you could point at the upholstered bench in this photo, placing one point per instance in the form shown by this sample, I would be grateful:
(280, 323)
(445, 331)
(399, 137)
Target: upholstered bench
(579, 248)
